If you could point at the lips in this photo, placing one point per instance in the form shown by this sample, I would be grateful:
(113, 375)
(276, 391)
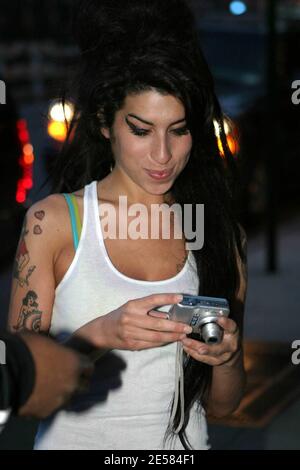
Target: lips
(164, 173)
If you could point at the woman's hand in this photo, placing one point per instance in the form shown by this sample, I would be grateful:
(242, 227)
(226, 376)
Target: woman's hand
(135, 326)
(220, 354)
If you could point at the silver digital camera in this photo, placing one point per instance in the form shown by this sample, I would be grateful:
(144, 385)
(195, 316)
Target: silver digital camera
(201, 313)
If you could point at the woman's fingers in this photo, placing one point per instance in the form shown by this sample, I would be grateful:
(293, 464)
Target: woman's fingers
(145, 304)
(159, 337)
(156, 314)
(207, 358)
(229, 326)
(215, 354)
(212, 355)
(203, 348)
(143, 327)
(152, 322)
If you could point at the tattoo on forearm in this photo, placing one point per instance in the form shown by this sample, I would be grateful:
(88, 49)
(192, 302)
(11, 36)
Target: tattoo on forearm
(30, 316)
(22, 258)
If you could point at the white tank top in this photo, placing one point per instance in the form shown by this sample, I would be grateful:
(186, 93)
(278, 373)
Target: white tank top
(129, 402)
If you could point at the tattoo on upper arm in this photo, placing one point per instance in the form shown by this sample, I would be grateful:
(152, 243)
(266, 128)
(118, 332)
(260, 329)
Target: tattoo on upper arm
(39, 215)
(37, 230)
(22, 259)
(30, 316)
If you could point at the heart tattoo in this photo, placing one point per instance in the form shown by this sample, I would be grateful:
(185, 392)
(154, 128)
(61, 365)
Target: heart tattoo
(37, 230)
(40, 215)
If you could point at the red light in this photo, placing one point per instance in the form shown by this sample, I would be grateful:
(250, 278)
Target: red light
(22, 124)
(20, 196)
(23, 135)
(27, 183)
(21, 162)
(25, 161)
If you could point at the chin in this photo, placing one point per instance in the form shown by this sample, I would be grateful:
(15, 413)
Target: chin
(159, 187)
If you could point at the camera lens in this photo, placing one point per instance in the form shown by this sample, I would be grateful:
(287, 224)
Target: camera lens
(212, 333)
(212, 340)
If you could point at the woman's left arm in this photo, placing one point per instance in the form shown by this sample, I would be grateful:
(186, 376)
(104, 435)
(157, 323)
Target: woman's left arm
(228, 376)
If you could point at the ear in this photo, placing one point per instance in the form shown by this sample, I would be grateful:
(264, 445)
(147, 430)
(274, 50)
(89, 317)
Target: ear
(105, 132)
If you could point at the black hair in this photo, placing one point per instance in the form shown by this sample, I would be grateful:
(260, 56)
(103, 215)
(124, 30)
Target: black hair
(128, 47)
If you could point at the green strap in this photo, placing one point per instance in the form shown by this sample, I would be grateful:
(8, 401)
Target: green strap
(75, 218)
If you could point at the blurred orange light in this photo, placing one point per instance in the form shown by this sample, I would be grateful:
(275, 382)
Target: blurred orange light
(57, 130)
(28, 149)
(232, 144)
(28, 159)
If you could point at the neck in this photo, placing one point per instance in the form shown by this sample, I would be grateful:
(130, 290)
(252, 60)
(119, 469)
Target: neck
(116, 185)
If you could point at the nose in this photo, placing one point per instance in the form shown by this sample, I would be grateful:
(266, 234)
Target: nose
(161, 152)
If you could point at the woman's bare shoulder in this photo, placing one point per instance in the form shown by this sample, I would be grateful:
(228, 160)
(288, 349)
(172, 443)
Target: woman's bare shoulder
(51, 214)
(53, 206)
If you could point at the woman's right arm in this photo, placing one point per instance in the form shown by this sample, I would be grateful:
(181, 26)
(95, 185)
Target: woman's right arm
(33, 283)
(33, 291)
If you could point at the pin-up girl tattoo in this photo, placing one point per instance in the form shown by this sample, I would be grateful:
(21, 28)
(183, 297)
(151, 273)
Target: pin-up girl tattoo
(29, 316)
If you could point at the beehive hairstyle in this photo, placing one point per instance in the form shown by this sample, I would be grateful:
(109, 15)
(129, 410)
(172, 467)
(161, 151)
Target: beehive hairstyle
(132, 46)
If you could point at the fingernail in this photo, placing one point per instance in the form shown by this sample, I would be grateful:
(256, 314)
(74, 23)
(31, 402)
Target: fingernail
(179, 298)
(188, 329)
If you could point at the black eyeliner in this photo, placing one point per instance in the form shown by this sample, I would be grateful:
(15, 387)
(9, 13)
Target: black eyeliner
(134, 129)
(138, 131)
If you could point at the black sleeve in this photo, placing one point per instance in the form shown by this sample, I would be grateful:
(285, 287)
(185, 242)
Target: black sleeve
(18, 374)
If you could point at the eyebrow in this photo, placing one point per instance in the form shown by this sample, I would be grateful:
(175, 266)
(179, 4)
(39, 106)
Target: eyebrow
(151, 123)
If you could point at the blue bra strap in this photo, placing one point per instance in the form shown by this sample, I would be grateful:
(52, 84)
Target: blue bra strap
(73, 220)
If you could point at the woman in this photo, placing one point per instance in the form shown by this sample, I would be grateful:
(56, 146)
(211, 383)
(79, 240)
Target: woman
(145, 103)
